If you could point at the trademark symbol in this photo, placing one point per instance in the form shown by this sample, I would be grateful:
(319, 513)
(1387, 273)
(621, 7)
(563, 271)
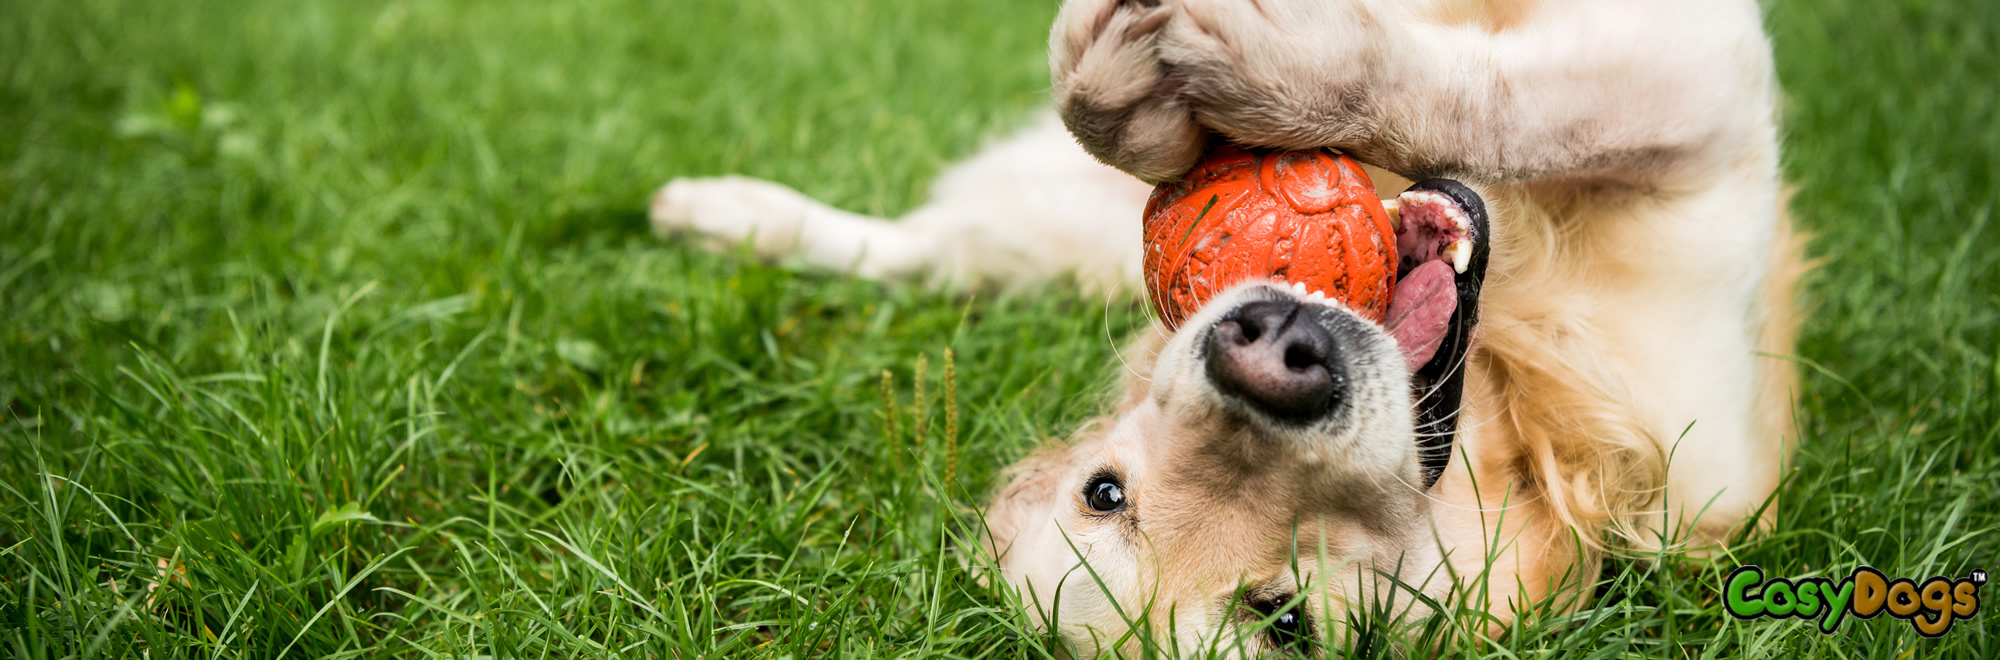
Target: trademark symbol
(1979, 576)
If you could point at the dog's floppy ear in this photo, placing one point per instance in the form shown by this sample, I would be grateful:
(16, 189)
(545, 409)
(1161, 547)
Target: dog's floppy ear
(1440, 383)
(1026, 500)
(1033, 484)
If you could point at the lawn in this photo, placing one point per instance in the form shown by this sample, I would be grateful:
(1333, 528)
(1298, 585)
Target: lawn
(333, 328)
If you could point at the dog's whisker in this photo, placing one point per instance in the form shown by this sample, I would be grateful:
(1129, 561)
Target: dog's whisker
(1462, 406)
(1463, 358)
(1426, 495)
(1447, 435)
(1154, 321)
(1457, 430)
(1113, 291)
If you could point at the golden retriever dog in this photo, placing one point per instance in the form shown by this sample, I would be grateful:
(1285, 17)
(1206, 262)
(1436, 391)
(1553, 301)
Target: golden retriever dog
(1610, 376)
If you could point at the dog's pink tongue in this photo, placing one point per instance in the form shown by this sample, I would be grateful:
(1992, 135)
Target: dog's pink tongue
(1421, 311)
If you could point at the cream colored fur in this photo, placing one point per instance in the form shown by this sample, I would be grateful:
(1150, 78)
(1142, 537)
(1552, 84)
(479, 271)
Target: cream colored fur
(1622, 390)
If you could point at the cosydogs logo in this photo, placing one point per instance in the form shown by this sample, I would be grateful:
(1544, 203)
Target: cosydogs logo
(1930, 606)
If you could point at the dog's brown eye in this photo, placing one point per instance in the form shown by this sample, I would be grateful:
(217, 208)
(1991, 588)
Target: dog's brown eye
(1104, 494)
(1289, 631)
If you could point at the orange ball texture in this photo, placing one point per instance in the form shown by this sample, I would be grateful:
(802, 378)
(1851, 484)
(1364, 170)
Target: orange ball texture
(1305, 217)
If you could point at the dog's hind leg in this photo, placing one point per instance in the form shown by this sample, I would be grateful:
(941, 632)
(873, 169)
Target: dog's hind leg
(778, 221)
(1027, 209)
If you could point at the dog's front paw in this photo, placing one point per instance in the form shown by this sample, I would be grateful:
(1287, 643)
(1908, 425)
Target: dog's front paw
(1112, 90)
(1290, 74)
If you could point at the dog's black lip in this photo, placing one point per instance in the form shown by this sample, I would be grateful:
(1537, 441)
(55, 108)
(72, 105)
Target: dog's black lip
(1440, 383)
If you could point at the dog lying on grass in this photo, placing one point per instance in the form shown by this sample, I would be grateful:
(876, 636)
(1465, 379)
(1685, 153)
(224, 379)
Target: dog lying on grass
(1633, 279)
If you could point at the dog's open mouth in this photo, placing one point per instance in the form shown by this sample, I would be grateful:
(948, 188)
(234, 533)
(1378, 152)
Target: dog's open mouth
(1442, 241)
(1430, 226)
(1439, 229)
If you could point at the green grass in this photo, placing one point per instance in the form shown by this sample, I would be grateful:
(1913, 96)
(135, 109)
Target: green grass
(346, 311)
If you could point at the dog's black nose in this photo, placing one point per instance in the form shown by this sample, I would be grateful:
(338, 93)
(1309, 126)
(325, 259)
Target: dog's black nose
(1277, 356)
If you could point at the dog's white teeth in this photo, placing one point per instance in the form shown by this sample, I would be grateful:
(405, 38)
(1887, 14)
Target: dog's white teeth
(1299, 288)
(1318, 296)
(1460, 254)
(1421, 197)
(1395, 209)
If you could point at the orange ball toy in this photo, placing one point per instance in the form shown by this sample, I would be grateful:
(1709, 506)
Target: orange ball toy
(1299, 217)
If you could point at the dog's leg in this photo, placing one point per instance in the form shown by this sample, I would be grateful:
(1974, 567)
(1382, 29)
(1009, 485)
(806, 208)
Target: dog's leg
(1026, 209)
(782, 222)
(1114, 93)
(1626, 92)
